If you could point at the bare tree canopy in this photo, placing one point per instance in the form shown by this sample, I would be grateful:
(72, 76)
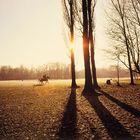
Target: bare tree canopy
(124, 32)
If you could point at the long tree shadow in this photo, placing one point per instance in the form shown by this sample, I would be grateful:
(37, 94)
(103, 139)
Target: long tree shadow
(69, 121)
(114, 127)
(126, 107)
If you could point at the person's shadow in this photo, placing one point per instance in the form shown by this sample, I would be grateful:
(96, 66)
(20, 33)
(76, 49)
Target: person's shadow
(114, 127)
(68, 127)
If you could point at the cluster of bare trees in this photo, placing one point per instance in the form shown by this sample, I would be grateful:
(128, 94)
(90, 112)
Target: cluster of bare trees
(124, 31)
(54, 70)
(80, 15)
(18, 73)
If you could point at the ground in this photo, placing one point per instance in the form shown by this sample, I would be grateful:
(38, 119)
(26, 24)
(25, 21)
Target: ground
(30, 111)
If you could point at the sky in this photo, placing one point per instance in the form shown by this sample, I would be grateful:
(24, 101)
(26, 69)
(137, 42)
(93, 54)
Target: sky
(31, 34)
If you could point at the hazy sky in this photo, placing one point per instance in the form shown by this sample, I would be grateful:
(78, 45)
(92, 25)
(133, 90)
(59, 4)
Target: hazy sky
(31, 34)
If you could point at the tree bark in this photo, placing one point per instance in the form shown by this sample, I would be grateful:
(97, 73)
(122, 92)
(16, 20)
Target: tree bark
(118, 72)
(130, 67)
(126, 42)
(88, 79)
(73, 75)
(94, 75)
(128, 52)
(91, 41)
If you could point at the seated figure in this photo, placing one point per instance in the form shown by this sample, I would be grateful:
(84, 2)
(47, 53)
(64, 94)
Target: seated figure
(108, 82)
(44, 79)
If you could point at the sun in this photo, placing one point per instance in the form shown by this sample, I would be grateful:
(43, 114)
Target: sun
(72, 45)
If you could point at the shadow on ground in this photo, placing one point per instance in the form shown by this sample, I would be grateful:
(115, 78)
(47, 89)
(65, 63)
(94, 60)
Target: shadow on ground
(37, 85)
(68, 127)
(114, 128)
(126, 107)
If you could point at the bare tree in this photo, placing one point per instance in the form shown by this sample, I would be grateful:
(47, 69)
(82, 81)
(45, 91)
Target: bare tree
(133, 29)
(91, 35)
(132, 25)
(68, 6)
(91, 7)
(88, 79)
(124, 32)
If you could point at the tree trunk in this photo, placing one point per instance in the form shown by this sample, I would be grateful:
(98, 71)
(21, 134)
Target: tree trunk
(73, 75)
(91, 41)
(94, 77)
(118, 72)
(128, 53)
(130, 67)
(126, 42)
(88, 79)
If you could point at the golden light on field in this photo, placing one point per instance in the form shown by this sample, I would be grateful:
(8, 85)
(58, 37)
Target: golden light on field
(32, 31)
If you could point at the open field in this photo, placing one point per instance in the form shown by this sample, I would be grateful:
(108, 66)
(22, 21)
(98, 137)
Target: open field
(30, 111)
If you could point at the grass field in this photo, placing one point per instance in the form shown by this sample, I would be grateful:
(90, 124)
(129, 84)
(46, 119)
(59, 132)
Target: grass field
(29, 110)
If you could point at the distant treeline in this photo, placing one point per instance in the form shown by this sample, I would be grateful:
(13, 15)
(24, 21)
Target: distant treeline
(54, 70)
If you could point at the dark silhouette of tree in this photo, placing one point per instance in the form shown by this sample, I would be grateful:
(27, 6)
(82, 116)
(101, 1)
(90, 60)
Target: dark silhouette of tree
(133, 28)
(122, 15)
(91, 37)
(91, 7)
(118, 71)
(124, 32)
(68, 6)
(88, 88)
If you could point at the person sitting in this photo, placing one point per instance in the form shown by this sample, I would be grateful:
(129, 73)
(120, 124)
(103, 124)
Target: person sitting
(44, 79)
(44, 76)
(108, 82)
